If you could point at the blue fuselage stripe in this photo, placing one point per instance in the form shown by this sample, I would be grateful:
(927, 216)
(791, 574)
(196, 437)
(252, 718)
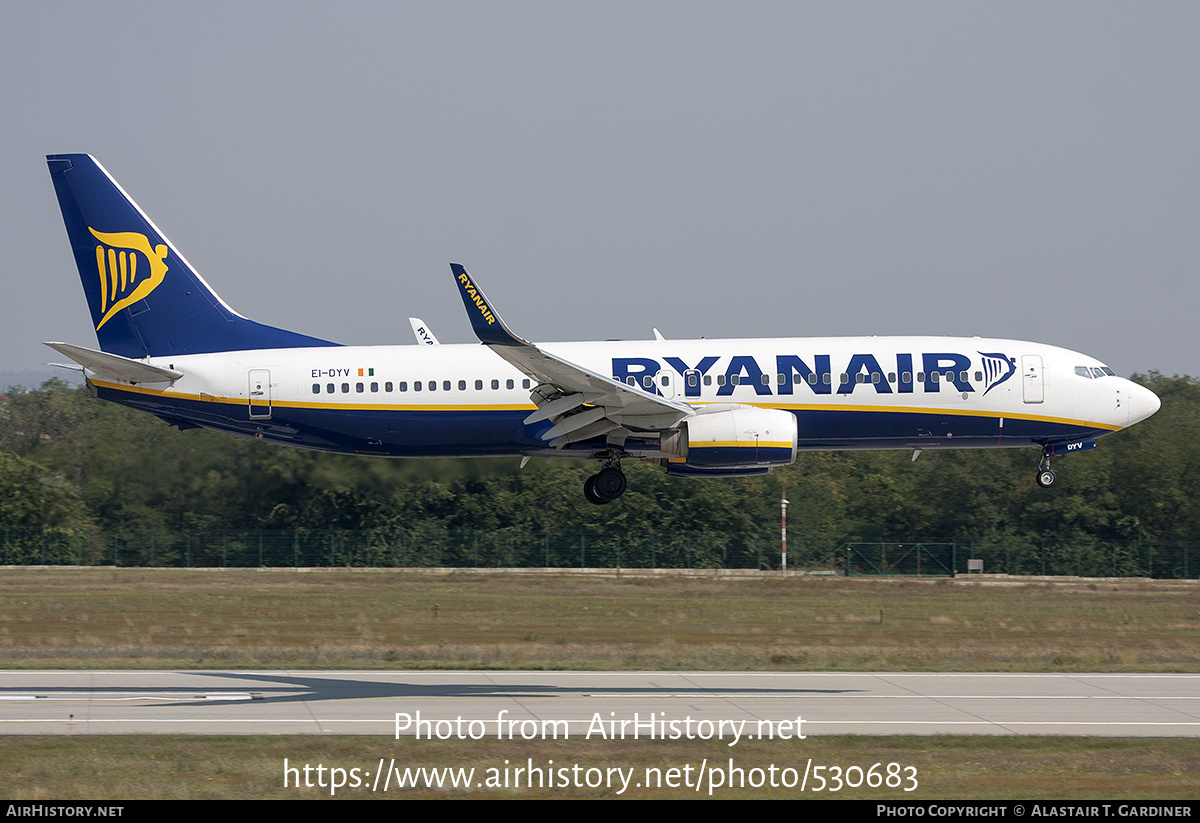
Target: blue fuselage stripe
(499, 432)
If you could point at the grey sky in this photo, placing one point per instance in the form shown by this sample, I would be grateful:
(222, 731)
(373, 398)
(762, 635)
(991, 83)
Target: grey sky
(1026, 170)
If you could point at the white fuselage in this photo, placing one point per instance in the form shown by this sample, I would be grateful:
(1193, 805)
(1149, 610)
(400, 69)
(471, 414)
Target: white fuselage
(463, 400)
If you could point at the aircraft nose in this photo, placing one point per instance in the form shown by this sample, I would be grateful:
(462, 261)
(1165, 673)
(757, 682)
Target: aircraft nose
(1142, 403)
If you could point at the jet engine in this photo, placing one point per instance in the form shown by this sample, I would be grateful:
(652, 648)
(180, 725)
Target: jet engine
(730, 440)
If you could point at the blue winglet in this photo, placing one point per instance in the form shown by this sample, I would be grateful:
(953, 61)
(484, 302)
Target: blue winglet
(488, 326)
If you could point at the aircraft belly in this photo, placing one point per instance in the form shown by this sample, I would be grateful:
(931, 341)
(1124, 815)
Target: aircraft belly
(393, 433)
(838, 429)
(499, 432)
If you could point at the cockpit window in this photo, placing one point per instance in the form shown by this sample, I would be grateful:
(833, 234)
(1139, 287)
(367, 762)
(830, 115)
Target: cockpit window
(1109, 372)
(1083, 371)
(1097, 371)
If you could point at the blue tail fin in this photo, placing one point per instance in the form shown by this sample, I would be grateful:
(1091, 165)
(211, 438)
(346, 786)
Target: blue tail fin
(144, 297)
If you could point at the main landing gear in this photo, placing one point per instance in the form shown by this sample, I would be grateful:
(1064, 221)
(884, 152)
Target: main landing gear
(1045, 477)
(606, 485)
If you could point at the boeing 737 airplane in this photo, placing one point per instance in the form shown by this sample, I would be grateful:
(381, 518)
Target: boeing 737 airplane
(699, 408)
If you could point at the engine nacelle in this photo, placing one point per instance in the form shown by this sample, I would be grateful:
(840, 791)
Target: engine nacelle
(736, 437)
(684, 470)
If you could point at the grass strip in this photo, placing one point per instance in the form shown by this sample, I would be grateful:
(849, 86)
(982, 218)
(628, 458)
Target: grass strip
(245, 618)
(946, 767)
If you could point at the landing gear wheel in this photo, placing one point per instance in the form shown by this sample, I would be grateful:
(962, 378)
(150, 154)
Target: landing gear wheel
(611, 483)
(1045, 478)
(589, 491)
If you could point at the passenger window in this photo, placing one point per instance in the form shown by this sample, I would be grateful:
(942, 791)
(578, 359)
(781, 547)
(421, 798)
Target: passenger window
(666, 381)
(525, 383)
(891, 377)
(358, 387)
(445, 385)
(329, 388)
(935, 376)
(827, 378)
(418, 385)
(860, 378)
(462, 385)
(920, 377)
(720, 380)
(316, 388)
(495, 384)
(433, 385)
(812, 379)
(845, 378)
(692, 380)
(708, 379)
(765, 380)
(508, 384)
(735, 379)
(387, 387)
(978, 377)
(875, 377)
(648, 381)
(478, 385)
(906, 377)
(345, 388)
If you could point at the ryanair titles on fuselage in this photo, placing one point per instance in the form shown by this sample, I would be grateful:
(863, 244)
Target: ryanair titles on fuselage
(792, 374)
(865, 371)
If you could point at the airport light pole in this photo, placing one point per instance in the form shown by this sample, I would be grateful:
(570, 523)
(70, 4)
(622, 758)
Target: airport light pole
(783, 501)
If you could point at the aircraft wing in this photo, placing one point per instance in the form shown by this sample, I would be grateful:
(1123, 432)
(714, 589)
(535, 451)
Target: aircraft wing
(123, 369)
(579, 402)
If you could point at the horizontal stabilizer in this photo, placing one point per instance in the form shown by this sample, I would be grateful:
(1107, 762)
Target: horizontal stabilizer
(115, 366)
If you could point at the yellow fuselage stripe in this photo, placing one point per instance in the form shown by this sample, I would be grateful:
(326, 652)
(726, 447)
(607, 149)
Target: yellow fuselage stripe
(291, 404)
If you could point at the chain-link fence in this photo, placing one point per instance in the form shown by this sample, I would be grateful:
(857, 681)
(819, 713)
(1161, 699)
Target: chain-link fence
(431, 547)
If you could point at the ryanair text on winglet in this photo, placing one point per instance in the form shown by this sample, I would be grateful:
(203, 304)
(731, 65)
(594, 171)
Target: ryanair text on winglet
(470, 289)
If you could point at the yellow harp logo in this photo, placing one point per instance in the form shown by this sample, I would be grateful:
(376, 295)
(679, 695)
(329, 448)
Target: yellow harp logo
(117, 257)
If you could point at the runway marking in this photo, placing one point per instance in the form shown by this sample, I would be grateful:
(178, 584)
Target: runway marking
(95, 697)
(242, 696)
(80, 722)
(585, 723)
(792, 696)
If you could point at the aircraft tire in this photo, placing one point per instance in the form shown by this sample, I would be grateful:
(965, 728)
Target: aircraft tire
(1045, 478)
(589, 491)
(611, 483)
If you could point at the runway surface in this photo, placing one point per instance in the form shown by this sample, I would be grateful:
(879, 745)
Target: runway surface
(707, 704)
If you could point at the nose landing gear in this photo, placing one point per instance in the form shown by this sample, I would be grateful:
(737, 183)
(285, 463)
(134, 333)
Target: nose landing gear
(1045, 477)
